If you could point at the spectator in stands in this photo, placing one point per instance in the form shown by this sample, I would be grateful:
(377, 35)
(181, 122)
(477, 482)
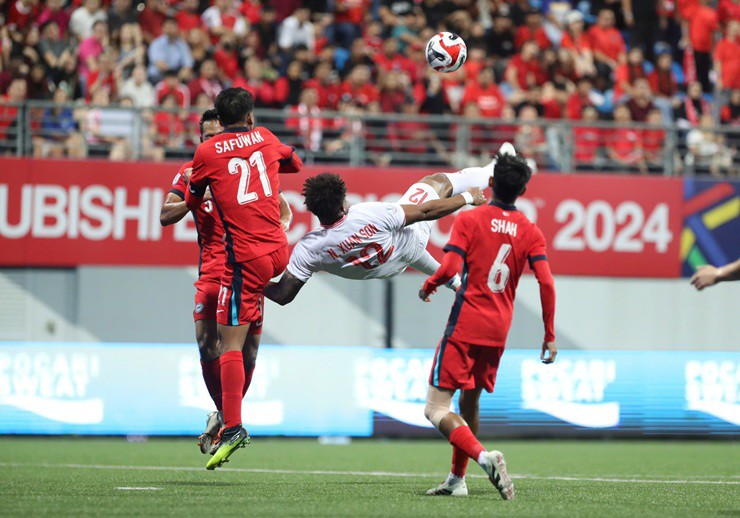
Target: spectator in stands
(83, 19)
(226, 57)
(206, 82)
(500, 38)
(152, 18)
(731, 112)
(579, 99)
(171, 85)
(628, 72)
(188, 17)
(306, 121)
(413, 138)
(138, 89)
(359, 86)
(707, 151)
(168, 128)
(531, 136)
(577, 42)
(393, 91)
(221, 18)
(17, 90)
(485, 95)
(58, 135)
(90, 49)
(325, 82)
(296, 30)
(623, 145)
(267, 31)
(254, 80)
(532, 30)
(348, 16)
(169, 52)
(524, 72)
(200, 46)
(121, 13)
(391, 59)
(641, 103)
(653, 140)
(103, 77)
(587, 140)
(55, 12)
(640, 16)
(607, 43)
(664, 84)
(694, 106)
(727, 57)
(288, 88)
(728, 10)
(703, 22)
(57, 54)
(131, 50)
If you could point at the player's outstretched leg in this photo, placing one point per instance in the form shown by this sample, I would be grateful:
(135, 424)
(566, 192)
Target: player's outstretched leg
(456, 430)
(234, 436)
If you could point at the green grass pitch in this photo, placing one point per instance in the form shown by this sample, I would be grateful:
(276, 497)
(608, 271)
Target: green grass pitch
(286, 477)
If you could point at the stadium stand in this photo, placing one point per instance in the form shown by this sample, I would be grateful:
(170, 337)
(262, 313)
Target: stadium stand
(346, 80)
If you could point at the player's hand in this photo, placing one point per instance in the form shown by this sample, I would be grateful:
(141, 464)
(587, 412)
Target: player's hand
(552, 349)
(704, 277)
(186, 174)
(478, 197)
(425, 295)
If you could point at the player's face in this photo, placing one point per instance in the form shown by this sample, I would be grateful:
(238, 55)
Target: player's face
(210, 130)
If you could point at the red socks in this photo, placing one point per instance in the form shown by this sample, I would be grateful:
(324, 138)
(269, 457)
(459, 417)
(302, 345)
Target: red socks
(459, 462)
(463, 439)
(212, 376)
(232, 384)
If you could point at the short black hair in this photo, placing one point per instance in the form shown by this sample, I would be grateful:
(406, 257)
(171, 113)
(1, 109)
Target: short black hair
(208, 115)
(233, 105)
(324, 194)
(510, 176)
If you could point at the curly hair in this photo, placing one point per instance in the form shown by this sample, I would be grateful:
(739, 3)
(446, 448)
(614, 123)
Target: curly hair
(510, 177)
(324, 194)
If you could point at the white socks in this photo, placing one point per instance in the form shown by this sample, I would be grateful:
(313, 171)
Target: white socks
(453, 479)
(426, 264)
(483, 460)
(470, 177)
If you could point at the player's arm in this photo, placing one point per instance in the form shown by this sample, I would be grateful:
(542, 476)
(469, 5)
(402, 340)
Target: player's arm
(437, 209)
(451, 264)
(284, 291)
(173, 209)
(290, 162)
(286, 215)
(541, 268)
(198, 183)
(708, 275)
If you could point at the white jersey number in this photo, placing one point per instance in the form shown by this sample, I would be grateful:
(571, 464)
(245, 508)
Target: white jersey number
(499, 274)
(241, 167)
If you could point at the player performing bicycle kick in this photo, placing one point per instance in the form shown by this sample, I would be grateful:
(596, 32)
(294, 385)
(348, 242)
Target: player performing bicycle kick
(377, 240)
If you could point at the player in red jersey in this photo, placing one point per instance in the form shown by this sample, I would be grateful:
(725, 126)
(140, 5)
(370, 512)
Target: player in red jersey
(210, 268)
(240, 167)
(491, 244)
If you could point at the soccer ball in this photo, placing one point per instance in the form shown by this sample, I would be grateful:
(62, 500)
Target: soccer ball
(446, 52)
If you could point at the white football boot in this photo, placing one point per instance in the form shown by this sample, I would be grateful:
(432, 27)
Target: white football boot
(453, 486)
(495, 467)
(208, 440)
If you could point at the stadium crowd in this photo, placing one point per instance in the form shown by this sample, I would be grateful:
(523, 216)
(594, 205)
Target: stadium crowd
(648, 61)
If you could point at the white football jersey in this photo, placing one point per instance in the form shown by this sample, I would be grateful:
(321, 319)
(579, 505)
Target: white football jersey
(371, 241)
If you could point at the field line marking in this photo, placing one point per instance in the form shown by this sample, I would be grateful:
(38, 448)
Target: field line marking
(138, 488)
(619, 480)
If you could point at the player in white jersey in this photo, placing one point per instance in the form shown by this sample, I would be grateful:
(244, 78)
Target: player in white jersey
(376, 240)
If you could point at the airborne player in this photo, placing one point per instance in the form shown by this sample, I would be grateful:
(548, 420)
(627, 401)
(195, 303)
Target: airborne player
(210, 267)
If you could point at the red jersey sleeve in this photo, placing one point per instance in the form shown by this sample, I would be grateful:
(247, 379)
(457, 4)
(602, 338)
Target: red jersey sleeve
(456, 251)
(179, 186)
(198, 181)
(538, 262)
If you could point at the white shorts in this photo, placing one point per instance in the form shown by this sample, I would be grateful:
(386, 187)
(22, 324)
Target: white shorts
(415, 195)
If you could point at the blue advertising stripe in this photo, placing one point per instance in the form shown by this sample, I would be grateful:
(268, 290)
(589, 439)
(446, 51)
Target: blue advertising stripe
(236, 294)
(707, 244)
(438, 361)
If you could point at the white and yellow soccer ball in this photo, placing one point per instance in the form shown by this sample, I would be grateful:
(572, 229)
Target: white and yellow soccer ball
(446, 52)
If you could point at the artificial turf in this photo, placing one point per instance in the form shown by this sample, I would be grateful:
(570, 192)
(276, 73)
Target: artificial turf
(289, 477)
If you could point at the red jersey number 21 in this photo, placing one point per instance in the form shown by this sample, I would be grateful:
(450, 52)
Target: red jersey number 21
(242, 167)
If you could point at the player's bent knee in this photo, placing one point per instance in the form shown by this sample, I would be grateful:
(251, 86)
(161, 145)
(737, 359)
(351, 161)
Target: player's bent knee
(438, 405)
(440, 182)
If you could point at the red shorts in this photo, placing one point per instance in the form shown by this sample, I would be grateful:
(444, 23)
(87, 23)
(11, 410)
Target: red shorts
(241, 299)
(458, 365)
(206, 300)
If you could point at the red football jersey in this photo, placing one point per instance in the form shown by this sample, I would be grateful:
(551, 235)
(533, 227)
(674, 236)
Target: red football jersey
(210, 232)
(496, 242)
(241, 168)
